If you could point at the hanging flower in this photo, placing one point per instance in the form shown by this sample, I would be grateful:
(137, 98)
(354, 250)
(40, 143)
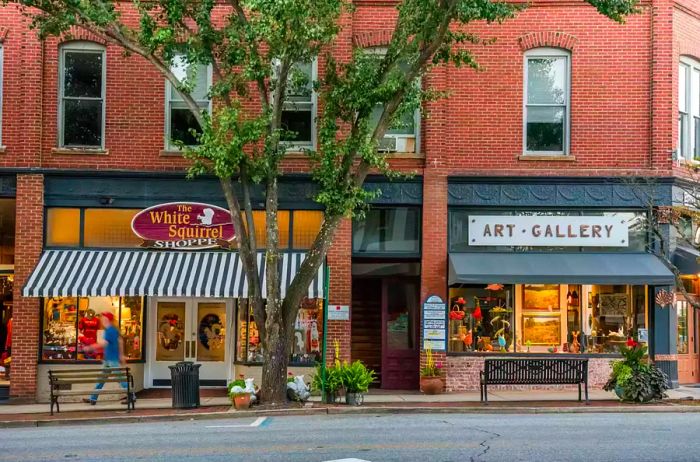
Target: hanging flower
(460, 301)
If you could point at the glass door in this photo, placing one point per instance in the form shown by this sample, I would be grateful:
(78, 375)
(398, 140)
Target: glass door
(190, 330)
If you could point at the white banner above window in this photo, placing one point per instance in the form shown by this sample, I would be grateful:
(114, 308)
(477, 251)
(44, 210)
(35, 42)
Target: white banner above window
(548, 231)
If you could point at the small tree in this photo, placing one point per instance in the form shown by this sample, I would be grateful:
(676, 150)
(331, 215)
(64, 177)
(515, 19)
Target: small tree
(252, 47)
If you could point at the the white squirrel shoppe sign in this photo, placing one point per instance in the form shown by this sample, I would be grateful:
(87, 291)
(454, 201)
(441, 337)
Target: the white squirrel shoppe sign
(554, 231)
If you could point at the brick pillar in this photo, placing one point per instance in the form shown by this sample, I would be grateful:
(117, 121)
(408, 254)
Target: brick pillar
(434, 249)
(25, 314)
(340, 290)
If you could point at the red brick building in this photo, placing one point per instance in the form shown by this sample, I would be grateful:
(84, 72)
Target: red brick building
(569, 106)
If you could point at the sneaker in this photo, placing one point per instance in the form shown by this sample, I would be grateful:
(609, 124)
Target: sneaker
(89, 401)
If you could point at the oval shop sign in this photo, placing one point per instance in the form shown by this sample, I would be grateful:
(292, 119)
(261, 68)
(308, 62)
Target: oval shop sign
(184, 225)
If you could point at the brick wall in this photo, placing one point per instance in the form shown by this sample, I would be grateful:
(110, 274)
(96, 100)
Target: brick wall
(340, 290)
(463, 375)
(25, 315)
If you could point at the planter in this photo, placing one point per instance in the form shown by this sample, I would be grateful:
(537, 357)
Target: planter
(328, 397)
(241, 401)
(620, 392)
(354, 399)
(431, 385)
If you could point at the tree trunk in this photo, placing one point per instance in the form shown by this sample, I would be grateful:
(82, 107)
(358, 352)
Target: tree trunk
(275, 357)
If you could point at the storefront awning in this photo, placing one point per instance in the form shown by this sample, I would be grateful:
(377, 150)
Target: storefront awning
(686, 260)
(564, 268)
(94, 273)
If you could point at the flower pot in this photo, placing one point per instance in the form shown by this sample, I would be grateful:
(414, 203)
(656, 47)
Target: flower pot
(328, 397)
(431, 385)
(619, 391)
(354, 399)
(241, 401)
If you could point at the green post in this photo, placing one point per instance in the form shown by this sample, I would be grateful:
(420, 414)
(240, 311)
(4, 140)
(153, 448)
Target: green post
(324, 346)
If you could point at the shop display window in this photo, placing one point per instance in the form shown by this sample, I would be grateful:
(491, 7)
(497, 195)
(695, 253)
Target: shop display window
(393, 230)
(542, 318)
(307, 336)
(70, 324)
(109, 228)
(62, 227)
(682, 314)
(481, 318)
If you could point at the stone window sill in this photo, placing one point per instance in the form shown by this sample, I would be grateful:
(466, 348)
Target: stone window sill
(3, 149)
(80, 151)
(405, 155)
(170, 153)
(555, 158)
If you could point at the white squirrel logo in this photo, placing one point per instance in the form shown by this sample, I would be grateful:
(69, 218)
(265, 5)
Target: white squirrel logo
(207, 217)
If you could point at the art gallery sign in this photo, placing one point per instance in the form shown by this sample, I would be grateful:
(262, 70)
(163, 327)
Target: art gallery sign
(550, 231)
(184, 225)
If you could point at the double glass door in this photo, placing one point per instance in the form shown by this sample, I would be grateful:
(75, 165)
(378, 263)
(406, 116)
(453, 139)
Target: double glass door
(195, 330)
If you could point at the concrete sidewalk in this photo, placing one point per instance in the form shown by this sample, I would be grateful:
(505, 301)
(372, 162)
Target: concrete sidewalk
(566, 397)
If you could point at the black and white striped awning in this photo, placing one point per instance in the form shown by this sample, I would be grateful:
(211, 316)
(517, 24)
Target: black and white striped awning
(95, 273)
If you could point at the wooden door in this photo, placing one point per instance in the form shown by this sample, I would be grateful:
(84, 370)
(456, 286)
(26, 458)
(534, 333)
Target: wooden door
(400, 349)
(366, 332)
(687, 342)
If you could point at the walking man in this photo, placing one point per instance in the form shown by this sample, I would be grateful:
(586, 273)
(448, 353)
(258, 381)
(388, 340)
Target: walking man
(113, 356)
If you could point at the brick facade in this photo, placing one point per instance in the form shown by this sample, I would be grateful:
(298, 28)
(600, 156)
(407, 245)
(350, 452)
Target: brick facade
(623, 122)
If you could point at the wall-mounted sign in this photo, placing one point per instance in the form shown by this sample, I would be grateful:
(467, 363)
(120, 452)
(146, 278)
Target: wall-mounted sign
(555, 231)
(338, 312)
(434, 323)
(184, 225)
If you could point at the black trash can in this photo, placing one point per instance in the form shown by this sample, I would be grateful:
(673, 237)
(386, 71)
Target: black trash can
(184, 377)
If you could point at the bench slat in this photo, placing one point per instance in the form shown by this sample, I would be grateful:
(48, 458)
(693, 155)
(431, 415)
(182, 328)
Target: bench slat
(90, 392)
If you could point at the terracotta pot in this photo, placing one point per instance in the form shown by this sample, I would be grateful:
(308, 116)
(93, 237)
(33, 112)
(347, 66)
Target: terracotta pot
(431, 385)
(241, 401)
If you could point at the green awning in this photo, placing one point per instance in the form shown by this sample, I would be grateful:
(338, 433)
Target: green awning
(559, 268)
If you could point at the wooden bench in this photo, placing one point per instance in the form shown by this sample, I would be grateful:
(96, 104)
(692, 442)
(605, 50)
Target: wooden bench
(61, 383)
(534, 371)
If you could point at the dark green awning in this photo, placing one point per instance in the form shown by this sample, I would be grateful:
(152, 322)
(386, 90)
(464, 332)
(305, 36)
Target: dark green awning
(686, 260)
(560, 268)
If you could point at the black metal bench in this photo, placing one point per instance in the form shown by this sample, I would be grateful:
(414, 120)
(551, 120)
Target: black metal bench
(61, 383)
(534, 371)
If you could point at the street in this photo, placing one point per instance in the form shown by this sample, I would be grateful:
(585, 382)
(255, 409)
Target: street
(418, 437)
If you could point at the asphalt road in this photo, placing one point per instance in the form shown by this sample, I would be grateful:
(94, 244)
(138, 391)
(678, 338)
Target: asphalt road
(419, 437)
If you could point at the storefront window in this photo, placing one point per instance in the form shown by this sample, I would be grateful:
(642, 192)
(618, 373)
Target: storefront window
(481, 318)
(306, 343)
(63, 227)
(541, 318)
(110, 228)
(307, 224)
(71, 324)
(682, 313)
(388, 231)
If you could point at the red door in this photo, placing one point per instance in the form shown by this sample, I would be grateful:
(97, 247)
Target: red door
(400, 349)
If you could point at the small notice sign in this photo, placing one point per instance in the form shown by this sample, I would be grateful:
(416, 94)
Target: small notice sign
(434, 323)
(338, 312)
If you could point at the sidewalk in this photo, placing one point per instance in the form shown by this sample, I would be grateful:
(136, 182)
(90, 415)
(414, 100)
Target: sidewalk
(684, 399)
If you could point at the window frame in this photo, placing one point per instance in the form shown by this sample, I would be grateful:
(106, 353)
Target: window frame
(688, 139)
(294, 146)
(417, 119)
(548, 52)
(81, 47)
(2, 86)
(167, 140)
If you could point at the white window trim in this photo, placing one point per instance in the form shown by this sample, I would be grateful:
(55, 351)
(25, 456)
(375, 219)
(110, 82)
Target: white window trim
(297, 146)
(689, 65)
(548, 53)
(169, 145)
(417, 119)
(78, 47)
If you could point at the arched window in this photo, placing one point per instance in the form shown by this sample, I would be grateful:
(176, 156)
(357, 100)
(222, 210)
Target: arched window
(81, 112)
(546, 101)
(689, 109)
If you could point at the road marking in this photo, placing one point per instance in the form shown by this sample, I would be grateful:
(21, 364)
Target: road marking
(347, 460)
(259, 421)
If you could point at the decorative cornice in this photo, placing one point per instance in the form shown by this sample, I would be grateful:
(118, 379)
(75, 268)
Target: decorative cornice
(374, 38)
(547, 39)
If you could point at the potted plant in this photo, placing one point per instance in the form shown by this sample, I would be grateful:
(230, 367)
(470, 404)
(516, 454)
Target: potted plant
(356, 380)
(328, 383)
(430, 381)
(635, 378)
(241, 400)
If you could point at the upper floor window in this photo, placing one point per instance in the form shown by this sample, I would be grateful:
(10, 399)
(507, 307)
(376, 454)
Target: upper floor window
(82, 95)
(181, 126)
(299, 109)
(403, 135)
(688, 109)
(546, 101)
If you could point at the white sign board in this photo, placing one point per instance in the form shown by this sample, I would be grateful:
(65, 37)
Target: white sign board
(554, 231)
(435, 345)
(338, 312)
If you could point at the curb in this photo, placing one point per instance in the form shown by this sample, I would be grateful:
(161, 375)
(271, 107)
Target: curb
(349, 410)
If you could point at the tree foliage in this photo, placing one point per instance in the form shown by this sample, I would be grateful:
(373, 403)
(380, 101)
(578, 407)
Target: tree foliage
(252, 47)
